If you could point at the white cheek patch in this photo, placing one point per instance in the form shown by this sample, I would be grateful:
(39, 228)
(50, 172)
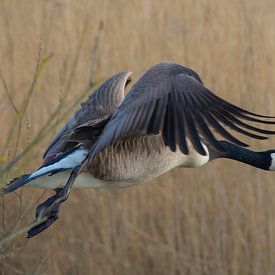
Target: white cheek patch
(272, 166)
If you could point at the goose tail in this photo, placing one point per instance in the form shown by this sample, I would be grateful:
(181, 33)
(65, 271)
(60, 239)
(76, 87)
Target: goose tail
(16, 183)
(45, 175)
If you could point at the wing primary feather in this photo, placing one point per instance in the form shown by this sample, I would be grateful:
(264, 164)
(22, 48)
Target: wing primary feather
(173, 127)
(187, 105)
(146, 116)
(214, 100)
(183, 96)
(193, 134)
(181, 131)
(250, 127)
(157, 117)
(181, 99)
(214, 123)
(222, 101)
(188, 101)
(197, 104)
(179, 103)
(223, 119)
(169, 126)
(207, 133)
(248, 112)
(232, 110)
(164, 130)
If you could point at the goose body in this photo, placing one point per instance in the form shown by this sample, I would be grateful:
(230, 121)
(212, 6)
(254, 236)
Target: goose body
(165, 121)
(128, 162)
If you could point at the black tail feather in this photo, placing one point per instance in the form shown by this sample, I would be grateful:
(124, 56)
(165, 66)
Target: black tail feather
(16, 183)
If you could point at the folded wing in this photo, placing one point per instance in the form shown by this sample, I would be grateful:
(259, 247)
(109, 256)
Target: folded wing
(89, 121)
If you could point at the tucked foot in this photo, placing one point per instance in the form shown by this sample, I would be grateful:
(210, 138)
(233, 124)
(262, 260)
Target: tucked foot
(46, 214)
(48, 211)
(42, 226)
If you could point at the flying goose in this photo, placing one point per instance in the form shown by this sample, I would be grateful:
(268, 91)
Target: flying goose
(165, 121)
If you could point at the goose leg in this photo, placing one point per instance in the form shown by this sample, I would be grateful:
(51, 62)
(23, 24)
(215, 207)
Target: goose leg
(48, 211)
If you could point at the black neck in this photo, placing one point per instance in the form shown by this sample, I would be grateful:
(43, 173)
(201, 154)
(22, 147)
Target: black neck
(260, 160)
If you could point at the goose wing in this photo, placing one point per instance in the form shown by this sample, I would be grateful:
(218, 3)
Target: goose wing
(172, 99)
(88, 122)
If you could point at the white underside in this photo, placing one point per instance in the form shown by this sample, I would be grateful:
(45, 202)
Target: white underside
(84, 180)
(194, 159)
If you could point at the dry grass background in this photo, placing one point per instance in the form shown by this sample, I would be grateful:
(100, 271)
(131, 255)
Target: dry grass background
(217, 219)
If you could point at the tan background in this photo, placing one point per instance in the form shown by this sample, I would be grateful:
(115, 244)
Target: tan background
(218, 219)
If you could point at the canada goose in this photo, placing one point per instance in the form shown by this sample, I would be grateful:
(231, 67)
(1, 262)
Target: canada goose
(165, 121)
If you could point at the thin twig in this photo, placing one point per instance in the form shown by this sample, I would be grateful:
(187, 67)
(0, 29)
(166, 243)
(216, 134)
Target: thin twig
(95, 49)
(8, 94)
(49, 125)
(42, 134)
(39, 66)
(42, 260)
(14, 232)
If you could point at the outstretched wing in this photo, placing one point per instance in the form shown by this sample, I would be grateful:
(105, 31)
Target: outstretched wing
(172, 99)
(89, 121)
